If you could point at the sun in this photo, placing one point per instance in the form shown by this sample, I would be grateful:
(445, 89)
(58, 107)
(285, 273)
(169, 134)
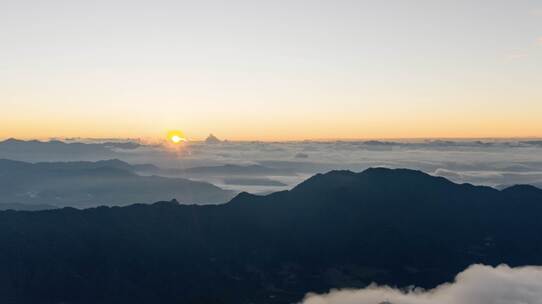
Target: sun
(176, 137)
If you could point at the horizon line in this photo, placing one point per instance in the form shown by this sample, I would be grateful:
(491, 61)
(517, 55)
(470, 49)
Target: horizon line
(158, 139)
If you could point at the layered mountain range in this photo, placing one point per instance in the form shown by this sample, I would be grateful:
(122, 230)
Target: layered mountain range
(82, 184)
(335, 230)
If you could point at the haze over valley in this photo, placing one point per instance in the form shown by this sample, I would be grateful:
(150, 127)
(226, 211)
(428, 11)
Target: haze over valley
(125, 172)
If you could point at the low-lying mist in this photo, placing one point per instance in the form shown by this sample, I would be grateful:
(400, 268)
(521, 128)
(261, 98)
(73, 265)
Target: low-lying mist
(270, 166)
(478, 284)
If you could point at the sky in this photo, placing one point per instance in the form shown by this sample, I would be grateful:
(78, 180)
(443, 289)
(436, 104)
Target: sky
(271, 70)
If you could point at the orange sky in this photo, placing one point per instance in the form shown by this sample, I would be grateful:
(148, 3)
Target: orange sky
(271, 70)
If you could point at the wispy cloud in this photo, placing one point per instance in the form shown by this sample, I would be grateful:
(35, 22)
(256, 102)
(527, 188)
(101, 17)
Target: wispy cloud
(478, 284)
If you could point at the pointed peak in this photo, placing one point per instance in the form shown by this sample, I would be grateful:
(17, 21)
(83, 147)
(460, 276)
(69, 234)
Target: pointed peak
(211, 139)
(241, 197)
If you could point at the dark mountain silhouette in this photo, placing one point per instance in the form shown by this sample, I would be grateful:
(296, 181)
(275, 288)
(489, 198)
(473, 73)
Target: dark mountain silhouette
(335, 230)
(84, 184)
(211, 139)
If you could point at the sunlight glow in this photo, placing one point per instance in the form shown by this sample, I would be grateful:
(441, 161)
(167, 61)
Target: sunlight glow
(176, 137)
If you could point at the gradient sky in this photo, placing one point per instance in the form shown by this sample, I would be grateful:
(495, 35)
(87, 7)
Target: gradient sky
(271, 70)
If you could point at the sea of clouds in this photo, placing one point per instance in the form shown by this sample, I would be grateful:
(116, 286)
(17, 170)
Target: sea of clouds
(492, 163)
(478, 284)
(495, 163)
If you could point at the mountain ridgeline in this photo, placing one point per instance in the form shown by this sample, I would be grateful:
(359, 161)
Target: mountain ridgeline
(335, 230)
(85, 184)
(55, 150)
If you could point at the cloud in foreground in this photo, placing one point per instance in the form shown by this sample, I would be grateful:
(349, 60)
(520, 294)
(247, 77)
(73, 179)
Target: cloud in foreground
(478, 284)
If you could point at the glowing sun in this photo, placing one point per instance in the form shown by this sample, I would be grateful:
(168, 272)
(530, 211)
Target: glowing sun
(176, 137)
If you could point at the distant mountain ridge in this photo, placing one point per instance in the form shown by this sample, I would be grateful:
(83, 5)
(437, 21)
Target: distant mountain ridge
(55, 150)
(86, 184)
(335, 230)
(25, 207)
(211, 139)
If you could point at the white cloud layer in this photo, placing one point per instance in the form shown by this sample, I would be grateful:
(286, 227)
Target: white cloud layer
(478, 284)
(496, 163)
